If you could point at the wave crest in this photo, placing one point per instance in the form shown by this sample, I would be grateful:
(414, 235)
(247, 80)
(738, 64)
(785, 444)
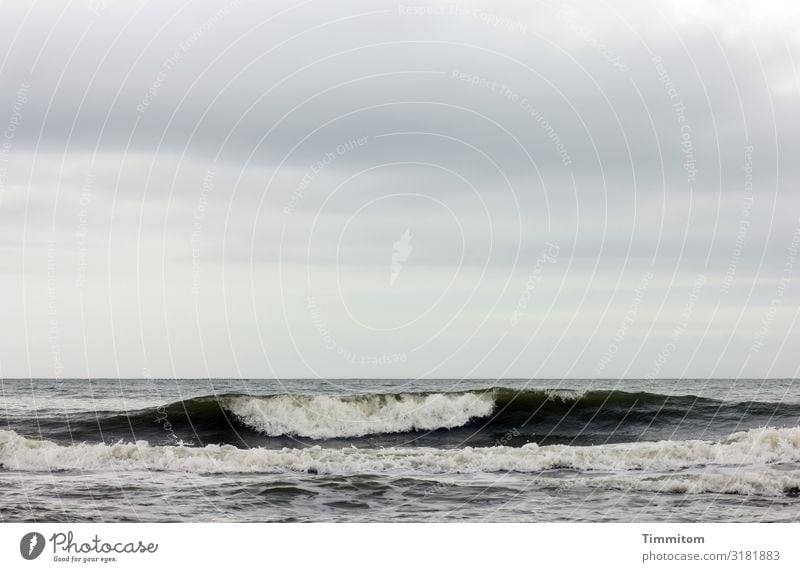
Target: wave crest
(760, 447)
(324, 417)
(480, 417)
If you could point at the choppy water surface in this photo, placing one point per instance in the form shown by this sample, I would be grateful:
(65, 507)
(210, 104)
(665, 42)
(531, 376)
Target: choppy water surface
(389, 450)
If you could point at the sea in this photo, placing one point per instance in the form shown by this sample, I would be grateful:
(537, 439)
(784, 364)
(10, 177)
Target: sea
(399, 450)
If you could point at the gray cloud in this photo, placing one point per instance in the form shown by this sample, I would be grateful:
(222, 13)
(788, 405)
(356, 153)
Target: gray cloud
(204, 173)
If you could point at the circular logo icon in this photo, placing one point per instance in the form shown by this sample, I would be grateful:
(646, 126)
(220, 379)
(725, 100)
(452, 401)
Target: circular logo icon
(31, 545)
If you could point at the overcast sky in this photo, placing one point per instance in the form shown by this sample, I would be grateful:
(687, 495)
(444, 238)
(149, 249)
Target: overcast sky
(374, 189)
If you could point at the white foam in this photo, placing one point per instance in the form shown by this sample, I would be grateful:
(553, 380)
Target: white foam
(322, 416)
(758, 447)
(564, 395)
(763, 481)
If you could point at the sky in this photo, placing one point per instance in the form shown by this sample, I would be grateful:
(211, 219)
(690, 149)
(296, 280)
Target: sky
(373, 189)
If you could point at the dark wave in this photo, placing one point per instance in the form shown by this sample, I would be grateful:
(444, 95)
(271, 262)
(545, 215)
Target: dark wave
(498, 416)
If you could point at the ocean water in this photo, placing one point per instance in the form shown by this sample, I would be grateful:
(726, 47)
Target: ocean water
(162, 450)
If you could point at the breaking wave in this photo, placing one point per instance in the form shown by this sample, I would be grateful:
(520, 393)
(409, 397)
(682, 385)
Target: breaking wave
(324, 417)
(757, 449)
(496, 409)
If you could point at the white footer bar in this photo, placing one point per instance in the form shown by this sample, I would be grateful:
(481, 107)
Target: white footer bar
(402, 547)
